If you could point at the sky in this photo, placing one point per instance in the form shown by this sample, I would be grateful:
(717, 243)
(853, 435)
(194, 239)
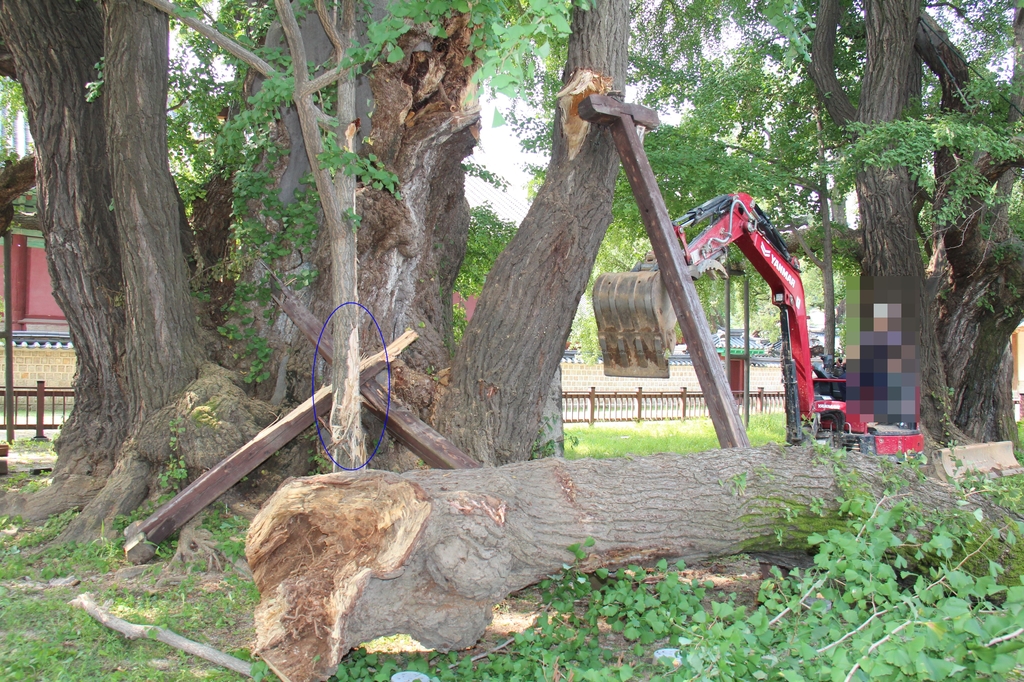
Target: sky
(499, 151)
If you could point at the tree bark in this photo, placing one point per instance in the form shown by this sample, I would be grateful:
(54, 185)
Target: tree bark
(342, 559)
(55, 45)
(514, 343)
(163, 353)
(981, 297)
(886, 196)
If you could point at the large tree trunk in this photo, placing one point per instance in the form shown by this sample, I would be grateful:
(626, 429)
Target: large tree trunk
(425, 122)
(162, 351)
(514, 343)
(342, 559)
(982, 275)
(56, 44)
(886, 196)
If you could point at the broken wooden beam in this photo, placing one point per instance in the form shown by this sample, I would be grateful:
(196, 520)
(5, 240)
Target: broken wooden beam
(142, 537)
(622, 119)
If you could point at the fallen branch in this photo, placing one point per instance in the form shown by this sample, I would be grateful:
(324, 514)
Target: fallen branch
(345, 558)
(487, 653)
(133, 631)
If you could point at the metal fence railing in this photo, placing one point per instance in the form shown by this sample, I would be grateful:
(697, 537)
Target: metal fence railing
(39, 408)
(617, 406)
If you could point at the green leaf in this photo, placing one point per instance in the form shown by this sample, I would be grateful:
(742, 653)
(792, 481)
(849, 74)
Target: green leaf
(395, 55)
(498, 120)
(562, 25)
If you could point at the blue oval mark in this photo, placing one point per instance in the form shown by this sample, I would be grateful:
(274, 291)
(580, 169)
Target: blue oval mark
(387, 362)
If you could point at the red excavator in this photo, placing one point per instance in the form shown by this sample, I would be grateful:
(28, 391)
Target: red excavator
(636, 325)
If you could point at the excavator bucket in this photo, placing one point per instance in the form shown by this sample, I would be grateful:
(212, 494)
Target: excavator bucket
(635, 324)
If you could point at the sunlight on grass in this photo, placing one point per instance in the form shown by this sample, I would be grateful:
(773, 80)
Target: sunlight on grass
(645, 438)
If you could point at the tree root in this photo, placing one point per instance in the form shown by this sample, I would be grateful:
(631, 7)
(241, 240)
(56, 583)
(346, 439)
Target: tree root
(73, 491)
(124, 491)
(196, 545)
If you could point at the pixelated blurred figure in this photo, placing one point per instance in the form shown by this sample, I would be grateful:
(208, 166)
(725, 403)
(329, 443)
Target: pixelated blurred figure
(883, 377)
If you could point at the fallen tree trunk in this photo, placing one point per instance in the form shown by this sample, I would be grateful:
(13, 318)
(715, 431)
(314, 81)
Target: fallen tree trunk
(344, 558)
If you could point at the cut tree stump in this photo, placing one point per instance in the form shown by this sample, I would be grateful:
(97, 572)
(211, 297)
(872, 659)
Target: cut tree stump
(344, 558)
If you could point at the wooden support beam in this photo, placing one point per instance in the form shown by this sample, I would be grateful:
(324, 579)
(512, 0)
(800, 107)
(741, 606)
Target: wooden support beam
(606, 110)
(142, 537)
(623, 119)
(407, 429)
(301, 317)
(403, 424)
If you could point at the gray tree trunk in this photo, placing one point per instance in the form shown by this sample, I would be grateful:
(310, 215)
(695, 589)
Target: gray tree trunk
(55, 44)
(512, 346)
(342, 559)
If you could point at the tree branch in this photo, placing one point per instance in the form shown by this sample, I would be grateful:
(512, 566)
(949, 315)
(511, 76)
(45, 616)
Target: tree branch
(799, 179)
(16, 179)
(793, 230)
(822, 67)
(328, 123)
(992, 169)
(933, 46)
(322, 81)
(133, 631)
(7, 67)
(331, 30)
(217, 37)
(295, 43)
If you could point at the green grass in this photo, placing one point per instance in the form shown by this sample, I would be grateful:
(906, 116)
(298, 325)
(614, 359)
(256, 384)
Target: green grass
(693, 435)
(44, 638)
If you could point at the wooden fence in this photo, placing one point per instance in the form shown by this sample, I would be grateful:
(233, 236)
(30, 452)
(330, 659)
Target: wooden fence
(594, 406)
(38, 408)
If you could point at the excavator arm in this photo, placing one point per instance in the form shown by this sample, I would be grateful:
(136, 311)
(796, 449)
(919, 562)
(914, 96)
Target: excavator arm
(736, 219)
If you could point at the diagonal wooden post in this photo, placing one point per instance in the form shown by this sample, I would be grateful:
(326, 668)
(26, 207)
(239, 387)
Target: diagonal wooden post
(622, 120)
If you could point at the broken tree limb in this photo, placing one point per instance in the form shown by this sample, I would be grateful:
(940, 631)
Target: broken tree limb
(133, 631)
(344, 558)
(403, 424)
(142, 537)
(622, 119)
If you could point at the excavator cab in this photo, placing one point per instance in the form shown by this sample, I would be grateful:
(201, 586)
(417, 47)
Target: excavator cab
(636, 324)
